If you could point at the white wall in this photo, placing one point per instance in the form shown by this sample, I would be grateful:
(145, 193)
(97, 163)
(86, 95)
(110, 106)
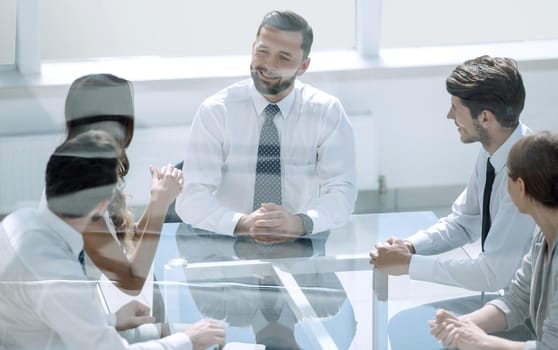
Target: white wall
(399, 117)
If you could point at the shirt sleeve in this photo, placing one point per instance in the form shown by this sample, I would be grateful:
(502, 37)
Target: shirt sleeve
(203, 164)
(515, 304)
(67, 307)
(550, 327)
(493, 269)
(336, 172)
(460, 227)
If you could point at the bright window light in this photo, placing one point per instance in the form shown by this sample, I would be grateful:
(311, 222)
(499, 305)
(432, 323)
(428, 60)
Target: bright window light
(83, 29)
(410, 23)
(7, 31)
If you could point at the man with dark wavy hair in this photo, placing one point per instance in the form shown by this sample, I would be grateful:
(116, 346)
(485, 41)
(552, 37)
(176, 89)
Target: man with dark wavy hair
(47, 301)
(487, 97)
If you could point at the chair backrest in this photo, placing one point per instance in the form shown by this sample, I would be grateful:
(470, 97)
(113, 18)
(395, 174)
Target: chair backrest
(172, 216)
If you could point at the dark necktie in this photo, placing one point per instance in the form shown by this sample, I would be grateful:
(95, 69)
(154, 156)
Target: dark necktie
(81, 259)
(490, 174)
(267, 188)
(271, 302)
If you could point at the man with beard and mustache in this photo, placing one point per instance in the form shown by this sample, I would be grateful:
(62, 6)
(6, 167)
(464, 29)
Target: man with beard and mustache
(238, 181)
(487, 97)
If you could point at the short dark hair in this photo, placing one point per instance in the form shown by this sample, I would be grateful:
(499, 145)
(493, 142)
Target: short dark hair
(489, 83)
(534, 158)
(292, 22)
(81, 173)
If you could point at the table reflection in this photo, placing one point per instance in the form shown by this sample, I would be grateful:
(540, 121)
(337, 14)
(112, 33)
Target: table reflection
(258, 302)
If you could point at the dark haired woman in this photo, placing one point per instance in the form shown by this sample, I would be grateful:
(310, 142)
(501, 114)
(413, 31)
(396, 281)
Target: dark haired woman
(118, 247)
(533, 296)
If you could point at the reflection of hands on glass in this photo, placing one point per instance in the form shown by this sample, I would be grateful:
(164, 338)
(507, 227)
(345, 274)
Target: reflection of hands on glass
(277, 336)
(132, 315)
(166, 184)
(392, 256)
(246, 248)
(205, 333)
(271, 223)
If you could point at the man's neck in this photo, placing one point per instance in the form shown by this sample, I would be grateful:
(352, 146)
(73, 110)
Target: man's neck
(78, 224)
(496, 139)
(279, 96)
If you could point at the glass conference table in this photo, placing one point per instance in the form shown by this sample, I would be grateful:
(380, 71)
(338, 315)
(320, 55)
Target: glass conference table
(316, 292)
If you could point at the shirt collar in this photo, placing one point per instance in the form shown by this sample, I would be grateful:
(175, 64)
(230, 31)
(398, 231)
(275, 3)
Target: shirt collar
(72, 237)
(285, 105)
(500, 158)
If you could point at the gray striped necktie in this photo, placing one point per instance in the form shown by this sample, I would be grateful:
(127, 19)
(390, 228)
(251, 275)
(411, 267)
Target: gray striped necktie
(267, 187)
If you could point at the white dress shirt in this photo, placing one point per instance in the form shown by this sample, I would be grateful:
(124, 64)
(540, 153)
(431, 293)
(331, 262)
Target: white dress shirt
(46, 302)
(507, 241)
(317, 158)
(92, 272)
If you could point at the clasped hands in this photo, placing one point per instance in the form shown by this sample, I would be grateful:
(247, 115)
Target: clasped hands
(392, 256)
(271, 223)
(459, 333)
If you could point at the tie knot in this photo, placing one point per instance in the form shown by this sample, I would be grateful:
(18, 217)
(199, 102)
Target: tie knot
(271, 111)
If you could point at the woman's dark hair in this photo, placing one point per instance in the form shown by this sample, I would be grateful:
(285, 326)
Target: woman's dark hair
(534, 158)
(489, 83)
(77, 126)
(292, 22)
(105, 102)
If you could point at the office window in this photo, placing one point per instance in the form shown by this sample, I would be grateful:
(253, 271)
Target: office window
(7, 31)
(409, 23)
(81, 29)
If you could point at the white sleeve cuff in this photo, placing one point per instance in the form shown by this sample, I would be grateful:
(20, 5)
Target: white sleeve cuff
(421, 241)
(177, 341)
(421, 268)
(236, 217)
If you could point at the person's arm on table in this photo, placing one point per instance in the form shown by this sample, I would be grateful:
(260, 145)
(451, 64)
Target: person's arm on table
(469, 332)
(203, 163)
(490, 271)
(335, 171)
(394, 255)
(69, 310)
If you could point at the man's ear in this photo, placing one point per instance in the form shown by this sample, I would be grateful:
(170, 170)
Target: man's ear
(486, 117)
(521, 185)
(303, 67)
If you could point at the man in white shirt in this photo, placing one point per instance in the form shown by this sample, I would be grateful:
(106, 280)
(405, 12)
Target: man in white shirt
(487, 97)
(47, 302)
(317, 155)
